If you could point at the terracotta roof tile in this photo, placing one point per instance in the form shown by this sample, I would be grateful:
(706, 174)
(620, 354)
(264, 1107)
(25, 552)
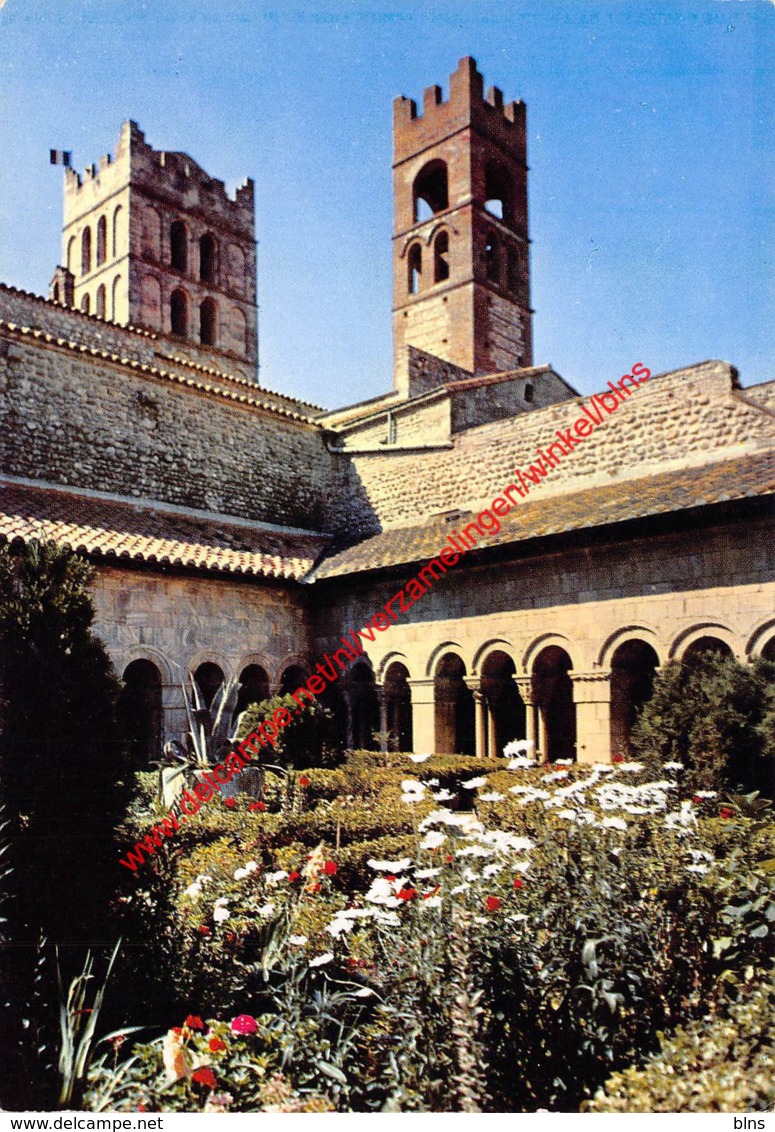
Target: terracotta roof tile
(536, 518)
(116, 529)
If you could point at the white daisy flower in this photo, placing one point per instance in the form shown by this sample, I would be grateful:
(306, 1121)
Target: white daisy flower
(297, 940)
(614, 823)
(422, 874)
(432, 840)
(475, 783)
(419, 758)
(389, 866)
(319, 960)
(443, 795)
(492, 796)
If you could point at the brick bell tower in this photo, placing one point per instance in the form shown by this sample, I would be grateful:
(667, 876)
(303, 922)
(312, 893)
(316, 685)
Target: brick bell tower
(461, 280)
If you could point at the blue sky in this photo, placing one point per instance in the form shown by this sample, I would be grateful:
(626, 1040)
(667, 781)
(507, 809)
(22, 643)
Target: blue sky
(650, 145)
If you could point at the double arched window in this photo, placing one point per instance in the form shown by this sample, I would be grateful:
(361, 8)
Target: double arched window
(499, 193)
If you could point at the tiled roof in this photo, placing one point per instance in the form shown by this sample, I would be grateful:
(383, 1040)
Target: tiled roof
(594, 507)
(110, 529)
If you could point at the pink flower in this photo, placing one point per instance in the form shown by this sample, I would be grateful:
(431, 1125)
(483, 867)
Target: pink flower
(244, 1024)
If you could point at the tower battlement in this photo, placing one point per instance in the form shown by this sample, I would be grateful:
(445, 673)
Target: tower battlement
(467, 105)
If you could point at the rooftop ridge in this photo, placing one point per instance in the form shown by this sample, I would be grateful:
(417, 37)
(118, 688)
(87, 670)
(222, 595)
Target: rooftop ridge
(154, 371)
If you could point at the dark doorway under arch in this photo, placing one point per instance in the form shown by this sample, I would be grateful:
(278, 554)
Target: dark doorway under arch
(506, 714)
(209, 678)
(361, 694)
(454, 708)
(253, 687)
(398, 705)
(632, 682)
(553, 692)
(139, 711)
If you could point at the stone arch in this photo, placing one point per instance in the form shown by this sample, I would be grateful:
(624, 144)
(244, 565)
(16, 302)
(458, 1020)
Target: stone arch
(499, 643)
(151, 302)
(506, 714)
(762, 641)
(151, 234)
(102, 239)
(293, 676)
(633, 664)
(542, 642)
(360, 692)
(86, 251)
(209, 677)
(238, 328)
(118, 220)
(139, 710)
(454, 706)
(237, 268)
(116, 298)
(179, 312)
(552, 690)
(430, 191)
(629, 633)
(387, 660)
(445, 646)
(689, 639)
(254, 686)
(398, 703)
(70, 257)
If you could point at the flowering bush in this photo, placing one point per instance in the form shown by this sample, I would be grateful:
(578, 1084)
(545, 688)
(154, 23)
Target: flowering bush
(449, 935)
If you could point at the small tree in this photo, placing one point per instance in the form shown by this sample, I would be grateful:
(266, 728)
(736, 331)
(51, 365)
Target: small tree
(717, 717)
(61, 779)
(308, 740)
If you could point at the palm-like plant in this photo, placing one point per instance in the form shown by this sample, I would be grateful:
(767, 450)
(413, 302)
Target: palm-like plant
(207, 741)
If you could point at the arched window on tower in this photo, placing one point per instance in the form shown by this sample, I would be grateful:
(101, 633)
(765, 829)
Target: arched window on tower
(208, 251)
(85, 304)
(116, 299)
(70, 263)
(102, 240)
(117, 222)
(86, 251)
(179, 313)
(178, 245)
(499, 193)
(441, 257)
(208, 313)
(100, 312)
(492, 257)
(414, 269)
(429, 192)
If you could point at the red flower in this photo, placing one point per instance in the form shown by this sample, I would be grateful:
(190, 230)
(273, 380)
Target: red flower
(448, 858)
(314, 887)
(244, 1024)
(257, 806)
(492, 903)
(141, 1108)
(204, 930)
(697, 800)
(428, 895)
(303, 780)
(205, 1076)
(330, 868)
(230, 802)
(727, 812)
(518, 882)
(194, 1022)
(407, 894)
(618, 759)
(390, 878)
(293, 877)
(216, 1044)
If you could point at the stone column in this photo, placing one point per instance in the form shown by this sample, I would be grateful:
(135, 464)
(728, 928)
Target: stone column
(423, 715)
(480, 709)
(535, 723)
(492, 734)
(592, 698)
(384, 725)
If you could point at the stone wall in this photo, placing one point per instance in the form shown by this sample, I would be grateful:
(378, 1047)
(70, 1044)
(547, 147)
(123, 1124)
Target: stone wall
(674, 420)
(71, 418)
(228, 623)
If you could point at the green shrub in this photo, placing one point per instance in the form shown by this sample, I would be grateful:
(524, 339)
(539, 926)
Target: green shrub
(715, 716)
(308, 740)
(716, 1064)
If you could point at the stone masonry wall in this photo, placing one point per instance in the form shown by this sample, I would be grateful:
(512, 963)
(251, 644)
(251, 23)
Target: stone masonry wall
(672, 421)
(71, 418)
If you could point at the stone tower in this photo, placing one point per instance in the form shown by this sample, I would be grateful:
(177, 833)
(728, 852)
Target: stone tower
(461, 281)
(151, 240)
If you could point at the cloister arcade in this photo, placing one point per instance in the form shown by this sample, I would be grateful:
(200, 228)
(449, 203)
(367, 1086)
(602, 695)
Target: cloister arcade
(471, 703)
